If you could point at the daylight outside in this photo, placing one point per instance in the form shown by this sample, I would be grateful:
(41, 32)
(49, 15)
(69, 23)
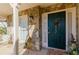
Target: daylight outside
(39, 28)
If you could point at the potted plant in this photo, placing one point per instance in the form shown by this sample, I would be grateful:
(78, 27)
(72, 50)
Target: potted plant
(2, 31)
(73, 46)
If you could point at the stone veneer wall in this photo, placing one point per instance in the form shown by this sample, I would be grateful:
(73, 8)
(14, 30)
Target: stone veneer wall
(37, 11)
(77, 9)
(58, 6)
(9, 20)
(35, 14)
(64, 6)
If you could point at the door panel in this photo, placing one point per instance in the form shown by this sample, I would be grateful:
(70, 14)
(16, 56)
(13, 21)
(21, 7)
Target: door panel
(56, 30)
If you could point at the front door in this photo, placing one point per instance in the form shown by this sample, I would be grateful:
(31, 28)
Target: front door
(57, 30)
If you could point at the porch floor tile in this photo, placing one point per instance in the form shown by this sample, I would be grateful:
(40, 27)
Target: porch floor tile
(45, 52)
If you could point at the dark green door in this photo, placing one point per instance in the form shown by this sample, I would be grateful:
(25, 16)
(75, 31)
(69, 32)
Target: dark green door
(57, 30)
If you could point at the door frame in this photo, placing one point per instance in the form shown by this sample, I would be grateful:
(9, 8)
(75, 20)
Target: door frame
(65, 27)
(45, 30)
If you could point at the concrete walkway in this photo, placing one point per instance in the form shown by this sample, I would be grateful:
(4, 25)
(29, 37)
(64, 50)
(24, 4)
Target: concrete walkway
(6, 49)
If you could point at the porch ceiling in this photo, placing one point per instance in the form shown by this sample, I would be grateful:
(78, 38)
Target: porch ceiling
(30, 5)
(6, 9)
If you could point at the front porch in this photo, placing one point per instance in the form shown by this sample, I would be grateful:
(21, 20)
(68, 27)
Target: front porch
(28, 31)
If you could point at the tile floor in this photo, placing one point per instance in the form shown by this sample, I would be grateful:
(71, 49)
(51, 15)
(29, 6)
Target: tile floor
(45, 52)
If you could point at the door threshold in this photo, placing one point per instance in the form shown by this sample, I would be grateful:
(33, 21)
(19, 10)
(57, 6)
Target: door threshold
(56, 49)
